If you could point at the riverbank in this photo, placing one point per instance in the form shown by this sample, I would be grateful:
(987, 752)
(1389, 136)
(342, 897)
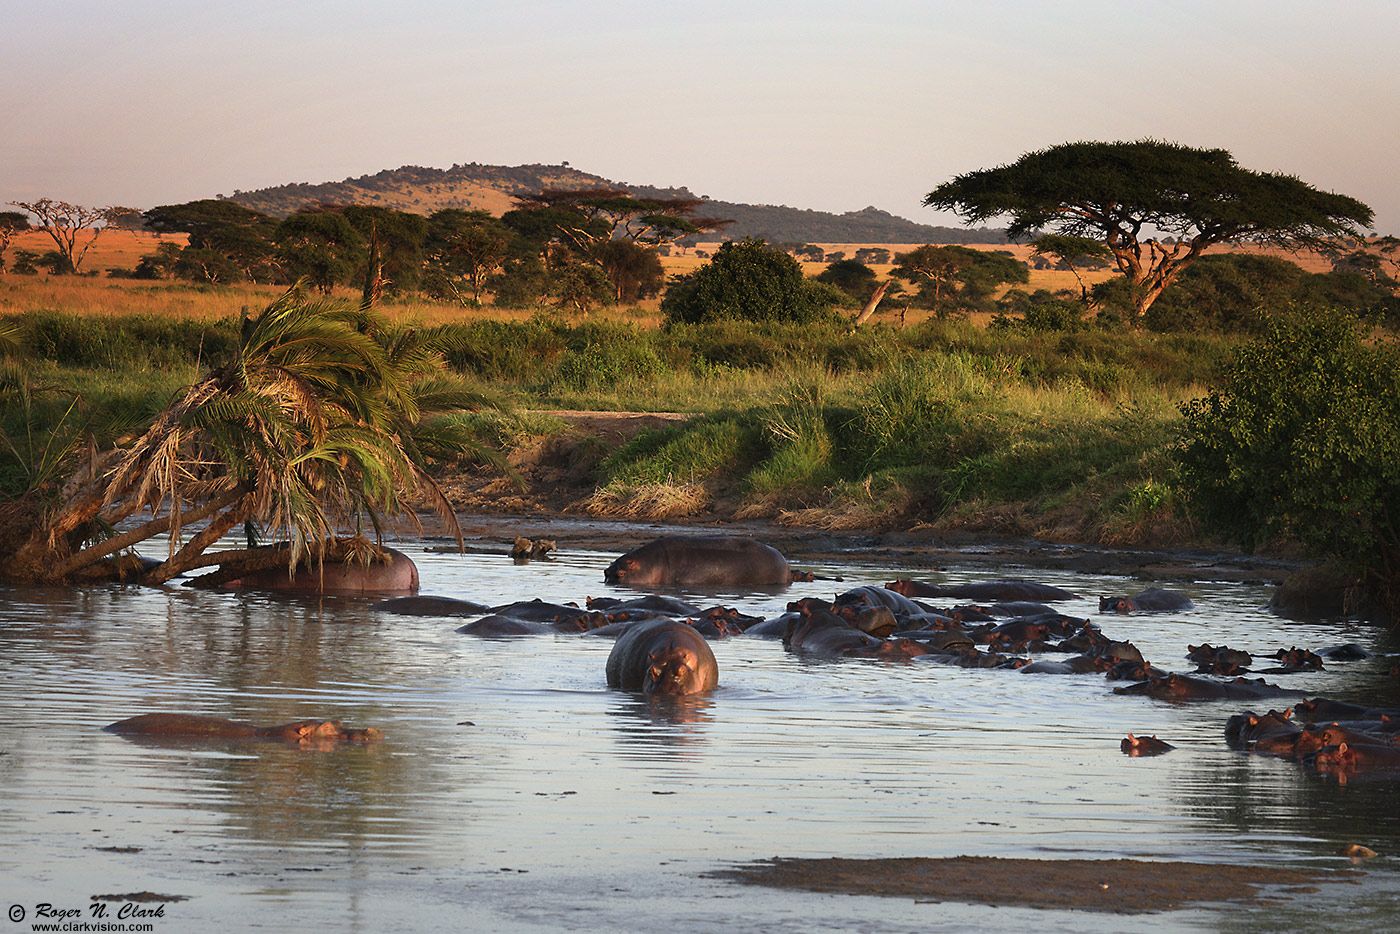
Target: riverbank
(551, 490)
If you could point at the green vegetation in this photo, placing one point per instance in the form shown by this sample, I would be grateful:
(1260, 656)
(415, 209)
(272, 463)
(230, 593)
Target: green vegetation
(1303, 440)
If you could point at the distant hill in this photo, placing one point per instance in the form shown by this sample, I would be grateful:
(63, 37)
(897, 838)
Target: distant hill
(493, 188)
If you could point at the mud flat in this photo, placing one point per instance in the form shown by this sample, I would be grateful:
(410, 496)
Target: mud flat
(1124, 886)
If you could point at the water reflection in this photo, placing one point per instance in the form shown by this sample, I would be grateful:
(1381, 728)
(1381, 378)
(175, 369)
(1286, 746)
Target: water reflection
(662, 726)
(591, 790)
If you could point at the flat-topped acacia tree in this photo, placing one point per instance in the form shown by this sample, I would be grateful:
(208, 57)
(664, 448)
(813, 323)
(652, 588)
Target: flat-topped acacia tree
(1128, 195)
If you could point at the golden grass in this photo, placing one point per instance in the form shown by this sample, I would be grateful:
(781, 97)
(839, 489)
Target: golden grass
(122, 249)
(669, 500)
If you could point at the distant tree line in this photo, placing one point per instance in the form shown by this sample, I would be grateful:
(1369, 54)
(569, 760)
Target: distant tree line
(571, 248)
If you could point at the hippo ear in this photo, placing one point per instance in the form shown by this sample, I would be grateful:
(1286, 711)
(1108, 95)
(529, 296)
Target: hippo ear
(1288, 714)
(1341, 748)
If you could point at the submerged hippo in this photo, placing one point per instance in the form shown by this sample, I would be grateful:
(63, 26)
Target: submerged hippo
(998, 590)
(396, 574)
(1144, 746)
(702, 560)
(662, 656)
(192, 725)
(425, 605)
(1348, 757)
(1151, 600)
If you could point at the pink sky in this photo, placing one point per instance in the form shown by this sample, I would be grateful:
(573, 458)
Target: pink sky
(832, 106)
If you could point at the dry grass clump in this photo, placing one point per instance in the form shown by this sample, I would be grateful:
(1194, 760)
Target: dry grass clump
(664, 500)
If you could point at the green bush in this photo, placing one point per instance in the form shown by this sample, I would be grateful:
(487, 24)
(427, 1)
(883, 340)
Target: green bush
(746, 281)
(1303, 440)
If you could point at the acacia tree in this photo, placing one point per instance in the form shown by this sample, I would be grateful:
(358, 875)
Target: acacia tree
(1127, 195)
(11, 223)
(320, 246)
(946, 273)
(464, 248)
(614, 213)
(72, 227)
(219, 228)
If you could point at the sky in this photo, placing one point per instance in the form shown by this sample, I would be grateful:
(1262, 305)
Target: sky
(816, 104)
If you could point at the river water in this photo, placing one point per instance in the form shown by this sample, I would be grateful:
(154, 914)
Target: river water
(516, 792)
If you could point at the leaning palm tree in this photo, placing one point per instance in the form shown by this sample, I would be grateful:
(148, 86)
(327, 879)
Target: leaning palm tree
(321, 424)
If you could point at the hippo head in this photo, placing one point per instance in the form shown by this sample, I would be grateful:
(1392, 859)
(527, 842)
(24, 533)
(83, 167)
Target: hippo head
(1335, 758)
(673, 671)
(304, 731)
(367, 735)
(1317, 739)
(620, 570)
(1115, 605)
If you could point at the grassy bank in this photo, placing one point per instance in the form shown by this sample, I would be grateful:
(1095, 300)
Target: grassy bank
(1064, 435)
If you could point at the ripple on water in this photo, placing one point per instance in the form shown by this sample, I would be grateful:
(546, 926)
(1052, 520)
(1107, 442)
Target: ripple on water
(512, 753)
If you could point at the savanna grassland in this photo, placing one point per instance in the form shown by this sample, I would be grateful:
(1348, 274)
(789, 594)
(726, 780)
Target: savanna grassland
(919, 422)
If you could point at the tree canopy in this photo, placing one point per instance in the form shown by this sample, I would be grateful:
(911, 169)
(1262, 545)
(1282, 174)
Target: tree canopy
(950, 276)
(1127, 195)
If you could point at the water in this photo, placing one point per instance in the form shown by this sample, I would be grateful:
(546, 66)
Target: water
(515, 792)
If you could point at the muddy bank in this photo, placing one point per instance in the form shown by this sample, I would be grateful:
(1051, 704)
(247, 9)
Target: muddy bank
(1124, 886)
(554, 476)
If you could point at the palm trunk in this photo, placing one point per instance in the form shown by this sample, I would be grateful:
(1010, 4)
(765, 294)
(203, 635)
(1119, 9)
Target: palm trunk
(156, 526)
(184, 559)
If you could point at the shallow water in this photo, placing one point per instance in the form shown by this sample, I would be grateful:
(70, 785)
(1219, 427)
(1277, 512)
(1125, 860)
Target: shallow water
(515, 792)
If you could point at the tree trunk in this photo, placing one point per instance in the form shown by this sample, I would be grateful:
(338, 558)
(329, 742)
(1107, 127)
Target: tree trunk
(156, 526)
(184, 559)
(871, 305)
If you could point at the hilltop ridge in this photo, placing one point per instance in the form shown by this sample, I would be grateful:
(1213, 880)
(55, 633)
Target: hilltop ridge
(473, 186)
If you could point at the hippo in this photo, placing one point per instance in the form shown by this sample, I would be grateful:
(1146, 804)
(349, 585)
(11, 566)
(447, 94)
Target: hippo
(1075, 665)
(1334, 734)
(1144, 746)
(878, 596)
(819, 631)
(994, 591)
(877, 621)
(1181, 687)
(1274, 732)
(1349, 652)
(423, 605)
(192, 725)
(702, 561)
(395, 574)
(539, 611)
(662, 657)
(657, 603)
(772, 628)
(1151, 600)
(939, 640)
(1296, 659)
(1346, 757)
(1221, 660)
(1326, 709)
(497, 625)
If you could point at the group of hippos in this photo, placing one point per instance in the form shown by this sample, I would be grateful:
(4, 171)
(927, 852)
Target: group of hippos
(662, 647)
